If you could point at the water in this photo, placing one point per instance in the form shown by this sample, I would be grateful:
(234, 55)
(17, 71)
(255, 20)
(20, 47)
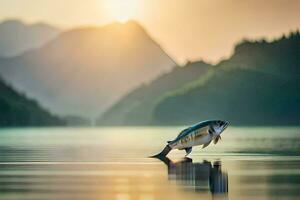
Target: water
(113, 163)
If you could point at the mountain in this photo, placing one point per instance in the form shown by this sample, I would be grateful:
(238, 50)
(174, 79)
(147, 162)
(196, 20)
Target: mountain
(85, 70)
(17, 37)
(77, 121)
(17, 110)
(136, 107)
(258, 85)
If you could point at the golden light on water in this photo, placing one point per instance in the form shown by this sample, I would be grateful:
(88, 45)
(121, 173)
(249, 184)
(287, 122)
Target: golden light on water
(121, 10)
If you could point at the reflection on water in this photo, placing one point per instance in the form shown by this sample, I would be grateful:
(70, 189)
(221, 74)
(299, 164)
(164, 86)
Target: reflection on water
(113, 164)
(202, 177)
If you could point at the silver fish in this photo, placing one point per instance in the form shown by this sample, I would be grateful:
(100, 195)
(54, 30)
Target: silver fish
(202, 133)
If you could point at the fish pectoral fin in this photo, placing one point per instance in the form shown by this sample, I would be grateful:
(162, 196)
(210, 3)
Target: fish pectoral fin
(216, 140)
(205, 145)
(188, 150)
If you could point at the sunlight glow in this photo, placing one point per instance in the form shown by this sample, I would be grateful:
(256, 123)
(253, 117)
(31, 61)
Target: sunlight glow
(121, 10)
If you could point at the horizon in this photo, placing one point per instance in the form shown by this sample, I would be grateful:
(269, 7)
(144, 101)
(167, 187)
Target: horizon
(185, 36)
(184, 62)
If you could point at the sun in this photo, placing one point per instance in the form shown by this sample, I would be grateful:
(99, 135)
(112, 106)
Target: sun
(121, 10)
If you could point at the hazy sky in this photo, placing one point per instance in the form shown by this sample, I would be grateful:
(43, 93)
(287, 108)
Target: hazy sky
(186, 29)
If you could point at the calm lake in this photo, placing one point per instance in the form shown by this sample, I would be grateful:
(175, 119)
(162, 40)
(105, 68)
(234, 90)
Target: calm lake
(113, 163)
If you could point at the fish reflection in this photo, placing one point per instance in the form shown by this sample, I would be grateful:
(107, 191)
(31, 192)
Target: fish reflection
(201, 176)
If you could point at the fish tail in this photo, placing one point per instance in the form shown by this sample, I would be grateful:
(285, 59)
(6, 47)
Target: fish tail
(163, 153)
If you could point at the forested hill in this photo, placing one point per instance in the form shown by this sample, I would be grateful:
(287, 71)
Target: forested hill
(258, 85)
(17, 110)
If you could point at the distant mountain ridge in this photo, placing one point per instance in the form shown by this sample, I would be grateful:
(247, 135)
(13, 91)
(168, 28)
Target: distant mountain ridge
(17, 110)
(17, 37)
(258, 85)
(136, 107)
(84, 71)
(120, 69)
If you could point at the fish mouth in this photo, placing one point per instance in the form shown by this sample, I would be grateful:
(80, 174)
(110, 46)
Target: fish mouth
(226, 123)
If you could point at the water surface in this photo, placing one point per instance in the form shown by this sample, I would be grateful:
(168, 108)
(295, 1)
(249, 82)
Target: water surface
(113, 163)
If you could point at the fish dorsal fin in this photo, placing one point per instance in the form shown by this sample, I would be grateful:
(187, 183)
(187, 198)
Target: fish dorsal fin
(205, 145)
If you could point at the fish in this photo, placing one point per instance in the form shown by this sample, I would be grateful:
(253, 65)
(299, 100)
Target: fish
(202, 133)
